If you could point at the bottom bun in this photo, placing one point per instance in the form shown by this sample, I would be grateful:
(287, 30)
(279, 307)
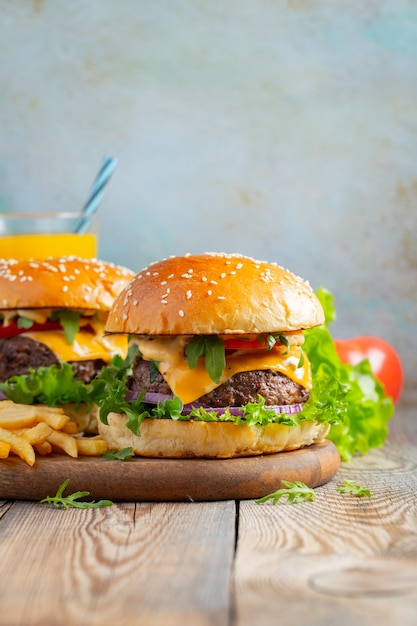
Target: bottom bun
(86, 420)
(221, 440)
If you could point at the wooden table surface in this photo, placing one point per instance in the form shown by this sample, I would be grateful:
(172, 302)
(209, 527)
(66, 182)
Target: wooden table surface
(337, 560)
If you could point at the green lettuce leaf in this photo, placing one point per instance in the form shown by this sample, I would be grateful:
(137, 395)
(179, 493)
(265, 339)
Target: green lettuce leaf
(52, 386)
(359, 402)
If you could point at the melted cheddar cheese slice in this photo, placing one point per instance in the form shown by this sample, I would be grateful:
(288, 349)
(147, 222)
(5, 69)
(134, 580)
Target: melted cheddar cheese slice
(86, 345)
(189, 384)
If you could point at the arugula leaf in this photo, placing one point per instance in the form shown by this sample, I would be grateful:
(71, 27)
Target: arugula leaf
(52, 385)
(113, 399)
(119, 455)
(153, 371)
(278, 337)
(212, 348)
(352, 393)
(69, 321)
(293, 492)
(24, 322)
(59, 500)
(354, 489)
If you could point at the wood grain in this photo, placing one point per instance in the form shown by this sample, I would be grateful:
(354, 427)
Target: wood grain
(142, 564)
(339, 559)
(141, 479)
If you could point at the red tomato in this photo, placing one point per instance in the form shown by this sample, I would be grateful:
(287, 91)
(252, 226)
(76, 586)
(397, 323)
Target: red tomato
(12, 329)
(244, 344)
(384, 360)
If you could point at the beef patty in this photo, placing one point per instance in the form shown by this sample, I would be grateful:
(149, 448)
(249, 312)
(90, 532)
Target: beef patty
(19, 354)
(274, 387)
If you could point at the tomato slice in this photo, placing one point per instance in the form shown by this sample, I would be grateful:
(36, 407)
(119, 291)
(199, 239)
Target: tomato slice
(383, 358)
(12, 329)
(259, 343)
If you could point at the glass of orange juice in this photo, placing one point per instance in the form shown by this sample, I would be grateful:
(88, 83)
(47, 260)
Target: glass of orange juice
(41, 235)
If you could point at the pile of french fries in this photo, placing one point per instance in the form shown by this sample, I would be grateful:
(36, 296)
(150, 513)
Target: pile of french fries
(28, 430)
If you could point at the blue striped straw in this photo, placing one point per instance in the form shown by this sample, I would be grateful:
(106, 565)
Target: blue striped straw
(96, 194)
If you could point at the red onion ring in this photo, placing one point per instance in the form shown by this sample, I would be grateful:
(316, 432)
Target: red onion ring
(154, 398)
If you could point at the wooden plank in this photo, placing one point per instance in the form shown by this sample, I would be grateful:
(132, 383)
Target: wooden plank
(141, 479)
(340, 559)
(155, 563)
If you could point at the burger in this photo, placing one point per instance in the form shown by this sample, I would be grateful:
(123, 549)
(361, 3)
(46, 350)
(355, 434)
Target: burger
(52, 341)
(216, 366)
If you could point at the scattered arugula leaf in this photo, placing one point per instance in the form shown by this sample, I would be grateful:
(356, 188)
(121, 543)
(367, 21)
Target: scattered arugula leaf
(354, 489)
(59, 500)
(119, 455)
(294, 492)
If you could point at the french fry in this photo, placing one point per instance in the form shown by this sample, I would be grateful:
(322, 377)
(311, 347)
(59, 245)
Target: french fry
(53, 418)
(27, 430)
(43, 448)
(64, 442)
(4, 449)
(6, 403)
(51, 409)
(18, 445)
(38, 433)
(91, 446)
(17, 416)
(71, 428)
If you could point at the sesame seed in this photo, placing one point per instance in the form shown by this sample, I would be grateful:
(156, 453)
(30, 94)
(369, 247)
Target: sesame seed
(181, 313)
(223, 275)
(65, 288)
(164, 301)
(189, 294)
(209, 292)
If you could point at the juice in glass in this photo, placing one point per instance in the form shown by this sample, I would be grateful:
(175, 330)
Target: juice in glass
(41, 235)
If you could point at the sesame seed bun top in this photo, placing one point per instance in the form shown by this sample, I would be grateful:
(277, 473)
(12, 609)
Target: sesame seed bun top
(214, 293)
(64, 282)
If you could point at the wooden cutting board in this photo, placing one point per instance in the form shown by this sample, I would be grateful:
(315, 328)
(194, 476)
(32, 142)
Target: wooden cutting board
(142, 479)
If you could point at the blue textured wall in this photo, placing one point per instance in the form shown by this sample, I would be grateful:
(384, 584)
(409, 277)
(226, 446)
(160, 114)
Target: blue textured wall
(283, 130)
